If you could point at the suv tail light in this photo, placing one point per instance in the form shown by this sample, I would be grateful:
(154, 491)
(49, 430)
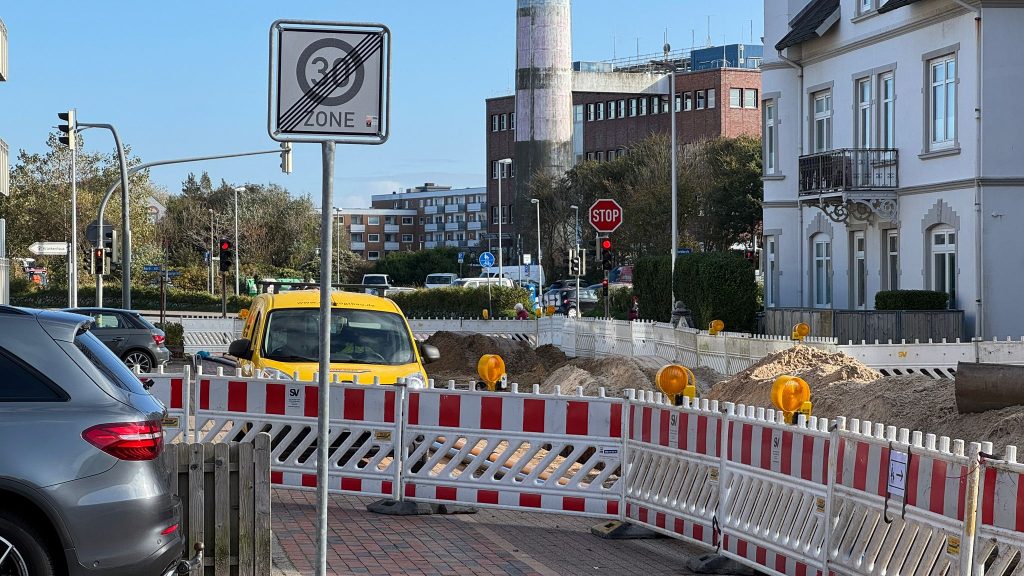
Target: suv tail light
(158, 339)
(133, 441)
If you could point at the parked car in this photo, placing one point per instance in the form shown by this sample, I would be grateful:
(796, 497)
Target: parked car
(440, 280)
(82, 490)
(568, 305)
(372, 281)
(133, 338)
(482, 281)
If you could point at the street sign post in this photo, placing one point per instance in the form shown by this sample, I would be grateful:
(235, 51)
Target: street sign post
(605, 215)
(49, 248)
(329, 81)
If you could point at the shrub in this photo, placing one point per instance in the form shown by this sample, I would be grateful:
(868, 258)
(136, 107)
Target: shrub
(652, 283)
(460, 302)
(174, 332)
(412, 268)
(142, 299)
(718, 286)
(911, 300)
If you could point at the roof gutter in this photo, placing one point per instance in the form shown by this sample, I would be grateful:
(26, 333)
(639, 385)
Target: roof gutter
(800, 152)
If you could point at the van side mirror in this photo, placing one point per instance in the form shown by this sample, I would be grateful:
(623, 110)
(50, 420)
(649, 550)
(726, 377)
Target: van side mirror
(430, 353)
(241, 349)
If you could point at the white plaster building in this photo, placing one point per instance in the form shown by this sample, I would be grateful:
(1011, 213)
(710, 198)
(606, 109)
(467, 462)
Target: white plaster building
(892, 141)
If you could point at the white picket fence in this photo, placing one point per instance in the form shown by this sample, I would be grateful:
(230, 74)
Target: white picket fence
(725, 352)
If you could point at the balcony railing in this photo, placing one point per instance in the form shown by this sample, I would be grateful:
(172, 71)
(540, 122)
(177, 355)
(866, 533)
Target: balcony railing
(431, 227)
(475, 207)
(430, 209)
(391, 246)
(474, 225)
(850, 169)
(391, 228)
(357, 228)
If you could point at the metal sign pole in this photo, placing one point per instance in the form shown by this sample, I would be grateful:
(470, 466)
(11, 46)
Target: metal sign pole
(323, 441)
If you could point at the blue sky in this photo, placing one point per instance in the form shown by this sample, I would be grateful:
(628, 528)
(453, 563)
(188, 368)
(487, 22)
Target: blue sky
(189, 78)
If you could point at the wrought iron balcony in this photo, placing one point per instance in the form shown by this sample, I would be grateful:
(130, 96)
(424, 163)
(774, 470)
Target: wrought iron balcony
(850, 170)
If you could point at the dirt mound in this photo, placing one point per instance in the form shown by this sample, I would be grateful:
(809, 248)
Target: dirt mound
(613, 374)
(462, 351)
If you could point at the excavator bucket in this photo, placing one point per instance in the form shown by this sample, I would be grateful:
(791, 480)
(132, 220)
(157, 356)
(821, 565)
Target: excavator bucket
(981, 387)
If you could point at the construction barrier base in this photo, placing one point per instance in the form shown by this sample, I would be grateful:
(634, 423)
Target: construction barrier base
(618, 530)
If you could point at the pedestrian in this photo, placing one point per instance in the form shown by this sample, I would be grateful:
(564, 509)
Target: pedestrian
(521, 313)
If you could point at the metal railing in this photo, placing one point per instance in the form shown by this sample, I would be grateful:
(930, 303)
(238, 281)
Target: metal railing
(850, 169)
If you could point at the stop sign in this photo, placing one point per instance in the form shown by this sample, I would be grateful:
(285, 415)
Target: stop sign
(605, 215)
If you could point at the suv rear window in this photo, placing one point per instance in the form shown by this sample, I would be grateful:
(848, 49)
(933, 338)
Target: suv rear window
(108, 364)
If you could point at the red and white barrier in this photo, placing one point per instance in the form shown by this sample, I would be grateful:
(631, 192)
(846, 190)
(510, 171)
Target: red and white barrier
(999, 548)
(545, 452)
(366, 425)
(671, 466)
(774, 499)
(174, 391)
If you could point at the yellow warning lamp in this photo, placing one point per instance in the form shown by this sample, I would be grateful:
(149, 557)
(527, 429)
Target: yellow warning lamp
(551, 310)
(490, 368)
(800, 331)
(485, 314)
(791, 395)
(715, 327)
(675, 380)
(243, 313)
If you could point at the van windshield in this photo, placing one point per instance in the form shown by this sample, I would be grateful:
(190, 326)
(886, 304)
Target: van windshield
(439, 279)
(357, 336)
(375, 280)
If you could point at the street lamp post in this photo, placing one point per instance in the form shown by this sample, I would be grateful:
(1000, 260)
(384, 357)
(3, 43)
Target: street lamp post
(212, 291)
(501, 216)
(540, 263)
(672, 111)
(237, 190)
(576, 234)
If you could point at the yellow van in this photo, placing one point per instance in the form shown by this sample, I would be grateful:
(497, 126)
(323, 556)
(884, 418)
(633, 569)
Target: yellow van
(369, 337)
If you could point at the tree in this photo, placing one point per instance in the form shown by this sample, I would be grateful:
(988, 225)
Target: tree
(725, 177)
(412, 268)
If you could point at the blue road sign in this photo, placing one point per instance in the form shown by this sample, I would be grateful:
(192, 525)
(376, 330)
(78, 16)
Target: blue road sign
(206, 257)
(173, 273)
(487, 259)
(462, 257)
(683, 251)
(151, 268)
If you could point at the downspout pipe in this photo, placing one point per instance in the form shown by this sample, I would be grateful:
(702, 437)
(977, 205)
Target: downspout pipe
(800, 152)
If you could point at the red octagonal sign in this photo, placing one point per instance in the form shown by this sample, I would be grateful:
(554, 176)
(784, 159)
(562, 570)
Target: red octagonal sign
(605, 215)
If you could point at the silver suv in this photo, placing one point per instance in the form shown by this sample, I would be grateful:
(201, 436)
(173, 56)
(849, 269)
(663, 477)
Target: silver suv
(82, 487)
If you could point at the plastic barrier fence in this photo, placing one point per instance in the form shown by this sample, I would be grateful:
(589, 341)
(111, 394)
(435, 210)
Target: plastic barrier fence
(174, 391)
(999, 549)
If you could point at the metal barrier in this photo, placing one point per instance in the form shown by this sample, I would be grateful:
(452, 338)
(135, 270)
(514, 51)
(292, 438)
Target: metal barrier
(999, 549)
(549, 452)
(775, 491)
(672, 466)
(210, 334)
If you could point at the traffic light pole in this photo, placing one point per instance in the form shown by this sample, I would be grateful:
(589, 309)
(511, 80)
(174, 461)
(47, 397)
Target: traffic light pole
(126, 246)
(223, 295)
(73, 254)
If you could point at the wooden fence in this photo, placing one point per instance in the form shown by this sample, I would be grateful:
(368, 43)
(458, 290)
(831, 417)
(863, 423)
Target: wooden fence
(225, 492)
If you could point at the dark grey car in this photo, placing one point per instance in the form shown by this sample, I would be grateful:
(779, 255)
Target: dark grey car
(133, 338)
(82, 490)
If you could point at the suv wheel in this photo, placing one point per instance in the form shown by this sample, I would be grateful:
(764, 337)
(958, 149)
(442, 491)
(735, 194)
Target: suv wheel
(22, 550)
(139, 358)
(572, 312)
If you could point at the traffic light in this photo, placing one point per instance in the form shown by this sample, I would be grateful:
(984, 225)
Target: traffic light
(67, 129)
(286, 157)
(574, 263)
(113, 249)
(227, 254)
(98, 263)
(606, 255)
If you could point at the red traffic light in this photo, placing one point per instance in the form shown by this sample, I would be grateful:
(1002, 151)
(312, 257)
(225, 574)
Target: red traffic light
(225, 245)
(606, 244)
(99, 252)
(604, 283)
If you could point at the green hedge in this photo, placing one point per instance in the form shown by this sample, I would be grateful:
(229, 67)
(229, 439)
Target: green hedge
(718, 286)
(460, 302)
(652, 281)
(911, 300)
(142, 299)
(174, 332)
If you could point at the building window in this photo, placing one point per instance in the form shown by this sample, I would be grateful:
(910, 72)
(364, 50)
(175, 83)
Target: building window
(655, 104)
(373, 220)
(678, 103)
(687, 101)
(943, 261)
(577, 113)
(421, 221)
(494, 214)
(821, 135)
(357, 236)
(702, 99)
(407, 238)
(600, 110)
(356, 219)
(611, 110)
(373, 255)
(622, 109)
(600, 155)
(632, 106)
(494, 122)
(642, 101)
(866, 6)
(590, 156)
(771, 136)
(860, 270)
(822, 278)
(512, 120)
(590, 112)
(494, 169)
(892, 259)
(390, 237)
(769, 272)
(373, 237)
(942, 102)
(750, 98)
(863, 113)
(887, 133)
(390, 220)
(711, 98)
(503, 123)
(735, 97)
(407, 220)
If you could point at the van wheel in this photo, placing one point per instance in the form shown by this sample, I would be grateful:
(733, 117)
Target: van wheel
(23, 550)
